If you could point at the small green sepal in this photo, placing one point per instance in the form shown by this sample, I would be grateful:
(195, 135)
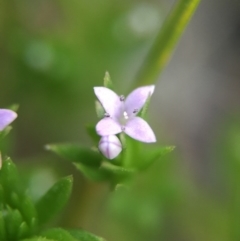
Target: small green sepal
(107, 82)
(99, 109)
(144, 109)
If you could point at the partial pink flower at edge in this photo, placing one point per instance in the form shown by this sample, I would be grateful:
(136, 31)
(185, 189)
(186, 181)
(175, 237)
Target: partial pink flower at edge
(6, 118)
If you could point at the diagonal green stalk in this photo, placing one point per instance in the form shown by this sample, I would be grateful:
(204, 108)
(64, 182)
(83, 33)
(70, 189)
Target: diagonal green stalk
(166, 41)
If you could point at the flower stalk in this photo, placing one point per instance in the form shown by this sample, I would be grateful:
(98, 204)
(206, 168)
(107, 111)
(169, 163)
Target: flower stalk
(165, 42)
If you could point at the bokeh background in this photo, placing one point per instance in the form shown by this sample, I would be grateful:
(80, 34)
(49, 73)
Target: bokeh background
(53, 52)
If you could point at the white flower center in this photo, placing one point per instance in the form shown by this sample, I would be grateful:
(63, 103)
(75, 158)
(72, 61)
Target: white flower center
(124, 118)
(125, 115)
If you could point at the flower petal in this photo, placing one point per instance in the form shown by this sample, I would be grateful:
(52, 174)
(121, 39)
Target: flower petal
(108, 126)
(110, 146)
(138, 129)
(6, 118)
(137, 98)
(110, 101)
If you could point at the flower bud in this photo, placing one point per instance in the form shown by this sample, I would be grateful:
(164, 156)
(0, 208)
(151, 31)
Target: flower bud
(110, 146)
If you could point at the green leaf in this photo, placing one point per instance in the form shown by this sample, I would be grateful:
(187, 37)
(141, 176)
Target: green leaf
(9, 180)
(76, 153)
(2, 199)
(107, 82)
(19, 206)
(137, 155)
(23, 230)
(54, 200)
(82, 235)
(9, 175)
(117, 171)
(39, 239)
(85, 159)
(91, 172)
(2, 226)
(26, 207)
(28, 210)
(13, 220)
(117, 174)
(151, 154)
(58, 234)
(15, 201)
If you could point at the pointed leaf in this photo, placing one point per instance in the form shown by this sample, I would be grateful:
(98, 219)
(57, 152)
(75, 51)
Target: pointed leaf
(13, 221)
(9, 175)
(2, 227)
(85, 159)
(2, 199)
(117, 171)
(152, 154)
(39, 239)
(28, 209)
(76, 153)
(25, 206)
(54, 200)
(93, 173)
(23, 230)
(82, 235)
(13, 192)
(58, 234)
(9, 180)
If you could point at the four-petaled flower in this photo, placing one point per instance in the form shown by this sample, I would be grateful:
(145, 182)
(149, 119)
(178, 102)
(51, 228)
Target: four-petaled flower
(121, 113)
(6, 118)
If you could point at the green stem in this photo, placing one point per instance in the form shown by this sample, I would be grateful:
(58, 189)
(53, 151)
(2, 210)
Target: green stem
(165, 42)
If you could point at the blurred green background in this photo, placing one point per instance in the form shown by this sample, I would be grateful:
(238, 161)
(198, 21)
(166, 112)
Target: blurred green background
(52, 53)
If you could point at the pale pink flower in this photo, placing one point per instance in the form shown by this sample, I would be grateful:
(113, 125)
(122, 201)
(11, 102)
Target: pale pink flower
(121, 113)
